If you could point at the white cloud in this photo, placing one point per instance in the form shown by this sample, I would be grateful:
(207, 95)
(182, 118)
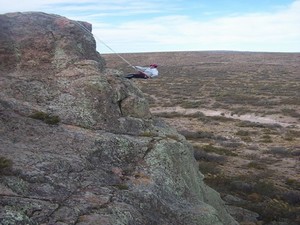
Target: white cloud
(103, 7)
(276, 31)
(271, 31)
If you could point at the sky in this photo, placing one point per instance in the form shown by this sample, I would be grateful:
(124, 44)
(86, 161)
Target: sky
(130, 26)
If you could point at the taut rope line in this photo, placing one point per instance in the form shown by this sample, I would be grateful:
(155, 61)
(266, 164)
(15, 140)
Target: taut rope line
(85, 29)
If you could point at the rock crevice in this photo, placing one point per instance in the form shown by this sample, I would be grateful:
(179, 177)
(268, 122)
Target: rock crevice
(101, 158)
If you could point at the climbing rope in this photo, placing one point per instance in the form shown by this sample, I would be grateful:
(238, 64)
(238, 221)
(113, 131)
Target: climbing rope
(85, 29)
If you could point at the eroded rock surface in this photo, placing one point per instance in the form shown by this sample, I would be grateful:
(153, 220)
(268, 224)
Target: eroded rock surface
(84, 145)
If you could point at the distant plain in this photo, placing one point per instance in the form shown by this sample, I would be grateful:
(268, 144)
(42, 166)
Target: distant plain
(241, 112)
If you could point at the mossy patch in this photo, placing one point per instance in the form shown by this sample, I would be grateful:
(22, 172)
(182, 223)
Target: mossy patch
(49, 119)
(5, 164)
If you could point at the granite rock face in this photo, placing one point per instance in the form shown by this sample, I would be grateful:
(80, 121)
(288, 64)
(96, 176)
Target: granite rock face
(46, 42)
(84, 146)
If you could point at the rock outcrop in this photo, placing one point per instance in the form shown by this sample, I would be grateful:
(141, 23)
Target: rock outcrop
(83, 144)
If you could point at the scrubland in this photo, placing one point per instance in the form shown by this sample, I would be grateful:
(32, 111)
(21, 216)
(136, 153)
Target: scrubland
(241, 113)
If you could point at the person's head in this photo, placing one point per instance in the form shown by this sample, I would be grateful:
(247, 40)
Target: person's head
(153, 65)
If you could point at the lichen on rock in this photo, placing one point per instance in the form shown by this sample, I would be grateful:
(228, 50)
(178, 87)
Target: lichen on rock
(108, 160)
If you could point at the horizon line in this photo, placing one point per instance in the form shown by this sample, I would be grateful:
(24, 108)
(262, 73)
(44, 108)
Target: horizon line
(211, 51)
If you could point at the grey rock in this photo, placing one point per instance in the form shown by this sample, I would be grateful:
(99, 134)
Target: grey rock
(84, 145)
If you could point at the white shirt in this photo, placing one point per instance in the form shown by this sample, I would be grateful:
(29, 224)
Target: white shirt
(149, 71)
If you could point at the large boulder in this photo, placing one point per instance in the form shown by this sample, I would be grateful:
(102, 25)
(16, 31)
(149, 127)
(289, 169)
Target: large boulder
(62, 73)
(78, 143)
(47, 41)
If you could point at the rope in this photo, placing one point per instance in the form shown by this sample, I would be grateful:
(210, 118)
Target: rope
(115, 53)
(85, 29)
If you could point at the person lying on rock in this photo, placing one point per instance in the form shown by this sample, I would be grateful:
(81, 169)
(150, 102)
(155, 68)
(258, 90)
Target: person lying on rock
(144, 72)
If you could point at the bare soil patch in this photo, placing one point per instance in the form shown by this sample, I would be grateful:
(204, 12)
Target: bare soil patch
(269, 119)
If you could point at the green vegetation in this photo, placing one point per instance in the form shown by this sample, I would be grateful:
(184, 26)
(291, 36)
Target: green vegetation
(122, 186)
(291, 134)
(209, 168)
(148, 134)
(218, 150)
(49, 119)
(263, 197)
(266, 139)
(243, 133)
(5, 164)
(293, 183)
(201, 155)
(196, 134)
(257, 165)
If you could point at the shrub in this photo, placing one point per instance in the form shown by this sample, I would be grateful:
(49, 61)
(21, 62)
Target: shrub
(256, 165)
(266, 139)
(220, 151)
(169, 114)
(293, 183)
(291, 112)
(274, 210)
(208, 168)
(250, 124)
(189, 104)
(279, 151)
(240, 186)
(243, 133)
(195, 135)
(246, 139)
(290, 135)
(266, 188)
(252, 156)
(268, 131)
(230, 144)
(219, 182)
(204, 156)
(292, 197)
(295, 152)
(221, 118)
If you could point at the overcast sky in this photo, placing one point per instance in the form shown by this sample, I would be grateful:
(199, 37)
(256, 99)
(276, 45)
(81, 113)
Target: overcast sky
(180, 25)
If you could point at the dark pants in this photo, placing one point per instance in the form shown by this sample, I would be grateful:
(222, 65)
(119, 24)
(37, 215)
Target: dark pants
(138, 75)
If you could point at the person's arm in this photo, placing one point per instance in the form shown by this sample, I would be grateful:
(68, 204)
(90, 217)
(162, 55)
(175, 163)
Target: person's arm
(146, 71)
(140, 68)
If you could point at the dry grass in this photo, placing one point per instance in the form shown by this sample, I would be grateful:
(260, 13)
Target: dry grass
(242, 157)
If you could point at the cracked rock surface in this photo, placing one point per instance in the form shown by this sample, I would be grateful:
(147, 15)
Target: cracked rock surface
(83, 144)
